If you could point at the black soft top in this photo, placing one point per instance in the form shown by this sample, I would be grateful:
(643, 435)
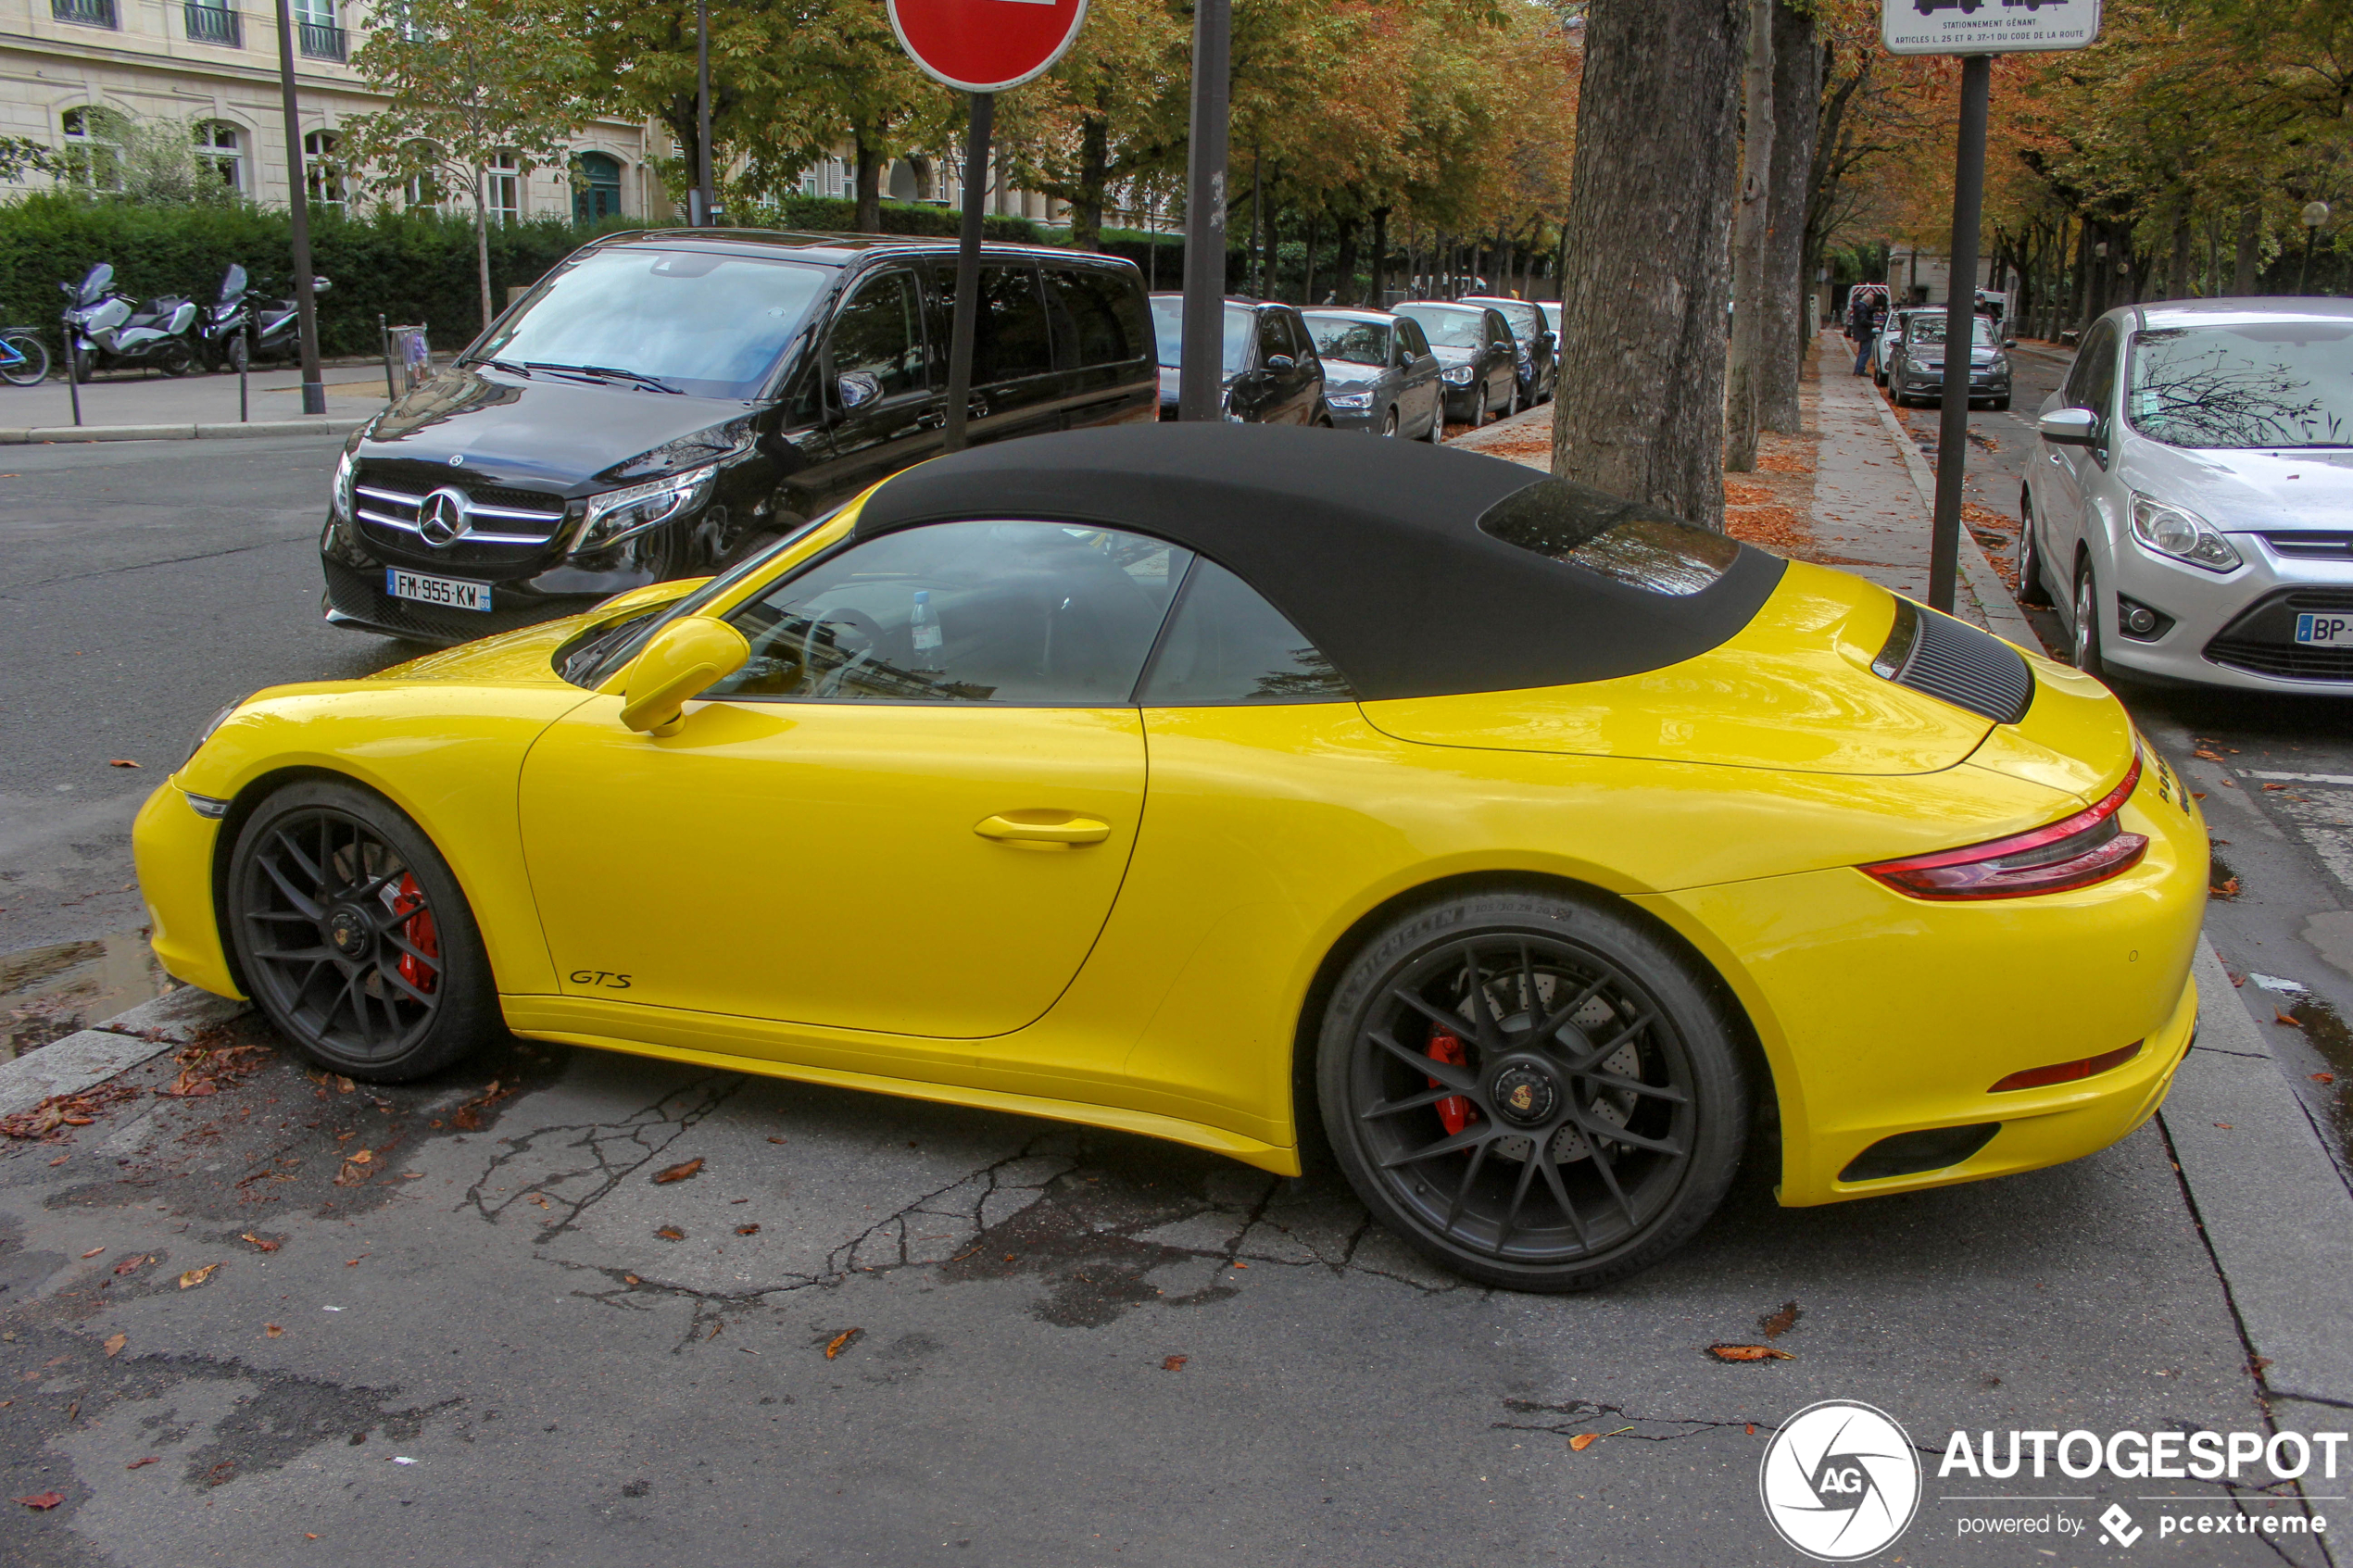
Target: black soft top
(1371, 548)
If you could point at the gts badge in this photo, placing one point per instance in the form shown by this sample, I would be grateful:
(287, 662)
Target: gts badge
(602, 978)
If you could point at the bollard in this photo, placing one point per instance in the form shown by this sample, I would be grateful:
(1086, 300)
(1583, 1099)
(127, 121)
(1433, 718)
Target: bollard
(245, 361)
(383, 336)
(74, 377)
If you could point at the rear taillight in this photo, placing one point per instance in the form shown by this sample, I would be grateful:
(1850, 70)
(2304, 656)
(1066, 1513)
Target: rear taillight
(2086, 849)
(2068, 1071)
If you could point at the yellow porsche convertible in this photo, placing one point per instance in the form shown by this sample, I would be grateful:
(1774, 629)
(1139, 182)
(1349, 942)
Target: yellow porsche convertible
(1233, 784)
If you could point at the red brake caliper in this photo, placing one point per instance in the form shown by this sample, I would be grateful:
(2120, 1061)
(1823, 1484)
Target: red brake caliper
(1455, 1111)
(419, 930)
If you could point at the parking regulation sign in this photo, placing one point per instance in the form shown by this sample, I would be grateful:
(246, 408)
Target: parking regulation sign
(986, 46)
(1987, 26)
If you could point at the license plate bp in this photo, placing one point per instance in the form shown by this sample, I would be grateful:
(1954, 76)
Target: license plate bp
(450, 593)
(2328, 631)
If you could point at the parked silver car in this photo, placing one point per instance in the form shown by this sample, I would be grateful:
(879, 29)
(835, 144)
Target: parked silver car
(2189, 502)
(1379, 373)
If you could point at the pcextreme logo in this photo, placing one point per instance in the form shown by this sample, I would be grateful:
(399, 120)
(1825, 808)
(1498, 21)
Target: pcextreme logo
(1840, 1481)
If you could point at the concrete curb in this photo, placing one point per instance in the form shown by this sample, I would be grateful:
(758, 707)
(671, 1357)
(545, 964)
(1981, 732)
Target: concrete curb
(2003, 618)
(40, 433)
(2274, 1209)
(85, 1059)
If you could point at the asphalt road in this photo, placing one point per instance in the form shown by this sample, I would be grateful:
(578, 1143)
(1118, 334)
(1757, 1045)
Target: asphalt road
(481, 1344)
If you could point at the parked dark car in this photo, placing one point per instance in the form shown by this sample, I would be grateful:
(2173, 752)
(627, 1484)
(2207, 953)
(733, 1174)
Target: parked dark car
(1474, 343)
(1273, 376)
(1533, 336)
(1916, 362)
(1379, 373)
(663, 404)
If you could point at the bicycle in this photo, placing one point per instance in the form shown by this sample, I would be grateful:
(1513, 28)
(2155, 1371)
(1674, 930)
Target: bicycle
(24, 358)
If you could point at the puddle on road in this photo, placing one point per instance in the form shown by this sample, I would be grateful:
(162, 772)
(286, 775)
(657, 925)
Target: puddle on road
(47, 993)
(2333, 1040)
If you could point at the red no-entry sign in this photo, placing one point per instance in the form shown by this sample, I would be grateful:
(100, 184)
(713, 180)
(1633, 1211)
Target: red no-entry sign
(986, 46)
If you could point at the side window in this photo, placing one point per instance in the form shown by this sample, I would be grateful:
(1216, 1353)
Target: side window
(1009, 339)
(1022, 614)
(2080, 376)
(1225, 644)
(879, 334)
(1411, 332)
(1273, 337)
(2099, 389)
(1302, 345)
(1088, 325)
(1498, 330)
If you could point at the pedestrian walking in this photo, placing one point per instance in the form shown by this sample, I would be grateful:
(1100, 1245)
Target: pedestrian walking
(1869, 316)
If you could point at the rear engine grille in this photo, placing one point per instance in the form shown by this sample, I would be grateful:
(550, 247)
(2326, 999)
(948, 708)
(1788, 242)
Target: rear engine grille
(2262, 640)
(1956, 662)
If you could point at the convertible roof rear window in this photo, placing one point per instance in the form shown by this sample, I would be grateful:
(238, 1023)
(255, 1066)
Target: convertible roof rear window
(1620, 540)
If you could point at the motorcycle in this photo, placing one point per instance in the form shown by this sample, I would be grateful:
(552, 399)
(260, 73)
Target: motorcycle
(104, 330)
(275, 324)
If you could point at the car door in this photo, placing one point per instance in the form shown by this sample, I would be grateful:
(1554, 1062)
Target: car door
(1252, 395)
(1503, 359)
(908, 813)
(1308, 369)
(1015, 387)
(1425, 392)
(1103, 343)
(882, 413)
(2064, 474)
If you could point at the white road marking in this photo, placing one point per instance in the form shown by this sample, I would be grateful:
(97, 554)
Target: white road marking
(2343, 780)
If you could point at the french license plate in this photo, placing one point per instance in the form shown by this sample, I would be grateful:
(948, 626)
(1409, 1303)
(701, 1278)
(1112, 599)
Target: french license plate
(2328, 631)
(451, 593)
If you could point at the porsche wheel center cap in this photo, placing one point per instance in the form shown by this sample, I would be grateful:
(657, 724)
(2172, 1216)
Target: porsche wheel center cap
(1525, 1096)
(349, 934)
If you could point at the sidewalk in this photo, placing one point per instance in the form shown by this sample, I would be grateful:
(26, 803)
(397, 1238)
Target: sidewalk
(167, 407)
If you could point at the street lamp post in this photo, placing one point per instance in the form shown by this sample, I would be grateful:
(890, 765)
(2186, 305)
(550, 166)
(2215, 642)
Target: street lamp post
(701, 216)
(2314, 215)
(314, 389)
(1202, 378)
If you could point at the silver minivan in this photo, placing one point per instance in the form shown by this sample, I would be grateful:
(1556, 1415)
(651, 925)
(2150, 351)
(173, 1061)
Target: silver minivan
(2189, 501)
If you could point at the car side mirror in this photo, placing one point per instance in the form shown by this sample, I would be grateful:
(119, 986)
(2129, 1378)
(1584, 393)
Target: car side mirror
(1279, 363)
(2010, 343)
(684, 657)
(857, 389)
(1550, 339)
(2070, 427)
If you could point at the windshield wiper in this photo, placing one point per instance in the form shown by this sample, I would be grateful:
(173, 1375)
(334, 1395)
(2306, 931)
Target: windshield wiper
(507, 365)
(608, 372)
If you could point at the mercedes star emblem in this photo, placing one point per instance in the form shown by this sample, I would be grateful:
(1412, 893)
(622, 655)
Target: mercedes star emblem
(444, 518)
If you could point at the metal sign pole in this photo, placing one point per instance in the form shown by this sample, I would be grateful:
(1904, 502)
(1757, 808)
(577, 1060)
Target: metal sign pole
(314, 391)
(1960, 333)
(73, 371)
(702, 215)
(245, 361)
(982, 113)
(1203, 354)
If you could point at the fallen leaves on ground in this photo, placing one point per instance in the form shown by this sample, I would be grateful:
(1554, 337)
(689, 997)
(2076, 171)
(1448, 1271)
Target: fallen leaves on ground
(134, 1261)
(259, 1243)
(1584, 1441)
(41, 1500)
(120, 762)
(747, 1230)
(2324, 1077)
(2289, 1018)
(195, 1277)
(49, 1119)
(355, 1168)
(841, 1342)
(151, 1458)
(678, 1172)
(92, 1252)
(2209, 756)
(2227, 889)
(207, 1066)
(671, 1233)
(467, 1117)
(1775, 1324)
(271, 1331)
(1174, 1363)
(114, 1343)
(1748, 1353)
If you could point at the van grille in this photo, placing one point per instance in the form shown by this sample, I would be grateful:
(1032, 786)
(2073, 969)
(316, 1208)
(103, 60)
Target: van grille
(1956, 663)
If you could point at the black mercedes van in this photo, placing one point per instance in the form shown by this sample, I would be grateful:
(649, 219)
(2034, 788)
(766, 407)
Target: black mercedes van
(666, 402)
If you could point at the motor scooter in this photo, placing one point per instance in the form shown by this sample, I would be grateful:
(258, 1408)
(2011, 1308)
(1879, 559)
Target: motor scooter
(222, 336)
(277, 324)
(105, 330)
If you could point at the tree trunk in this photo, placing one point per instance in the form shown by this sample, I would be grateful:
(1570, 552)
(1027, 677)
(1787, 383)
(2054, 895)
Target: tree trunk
(2249, 251)
(1640, 410)
(1379, 297)
(1344, 288)
(867, 187)
(1745, 395)
(1789, 281)
(2177, 266)
(1094, 165)
(1307, 274)
(482, 247)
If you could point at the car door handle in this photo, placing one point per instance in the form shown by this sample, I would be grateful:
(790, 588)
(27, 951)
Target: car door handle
(1042, 830)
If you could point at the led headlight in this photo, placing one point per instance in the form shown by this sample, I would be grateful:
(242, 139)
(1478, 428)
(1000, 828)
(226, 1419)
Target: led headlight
(1459, 375)
(1351, 400)
(346, 474)
(623, 514)
(2184, 535)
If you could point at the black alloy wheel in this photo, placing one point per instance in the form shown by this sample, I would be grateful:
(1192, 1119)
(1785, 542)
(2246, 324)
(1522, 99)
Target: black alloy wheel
(353, 936)
(1534, 1091)
(2032, 589)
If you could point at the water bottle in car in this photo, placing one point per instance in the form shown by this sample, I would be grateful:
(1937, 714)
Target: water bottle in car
(924, 624)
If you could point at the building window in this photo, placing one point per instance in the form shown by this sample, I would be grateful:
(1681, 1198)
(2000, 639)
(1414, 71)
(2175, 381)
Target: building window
(320, 36)
(220, 147)
(322, 174)
(211, 23)
(89, 13)
(93, 160)
(423, 191)
(503, 189)
(595, 187)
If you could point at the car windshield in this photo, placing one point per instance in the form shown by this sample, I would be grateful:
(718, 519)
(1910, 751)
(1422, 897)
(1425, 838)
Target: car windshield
(1525, 318)
(1168, 328)
(2269, 383)
(683, 320)
(1350, 341)
(1450, 327)
(1930, 329)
